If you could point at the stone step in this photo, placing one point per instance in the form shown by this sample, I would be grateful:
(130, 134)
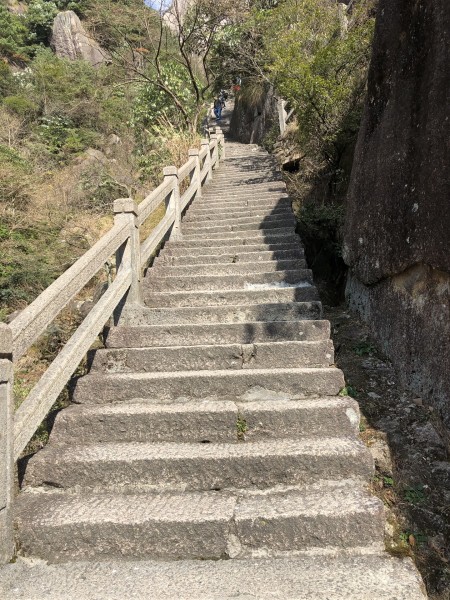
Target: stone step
(193, 525)
(199, 467)
(208, 421)
(233, 268)
(242, 215)
(260, 223)
(229, 333)
(267, 202)
(263, 235)
(307, 293)
(344, 576)
(270, 242)
(258, 281)
(244, 384)
(245, 313)
(180, 248)
(208, 213)
(227, 356)
(229, 258)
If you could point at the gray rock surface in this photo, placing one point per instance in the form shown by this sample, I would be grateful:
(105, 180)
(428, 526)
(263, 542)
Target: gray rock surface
(398, 222)
(70, 40)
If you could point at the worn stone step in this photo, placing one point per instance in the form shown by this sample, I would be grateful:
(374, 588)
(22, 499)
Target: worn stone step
(228, 333)
(233, 268)
(211, 421)
(209, 213)
(245, 313)
(255, 200)
(307, 293)
(159, 526)
(207, 421)
(232, 356)
(256, 234)
(204, 217)
(230, 258)
(245, 384)
(197, 525)
(339, 577)
(269, 242)
(194, 467)
(178, 248)
(258, 224)
(258, 281)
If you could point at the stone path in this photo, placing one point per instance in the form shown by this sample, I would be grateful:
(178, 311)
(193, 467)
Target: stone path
(211, 429)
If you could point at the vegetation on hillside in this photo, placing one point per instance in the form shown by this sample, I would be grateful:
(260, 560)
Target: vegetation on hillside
(73, 137)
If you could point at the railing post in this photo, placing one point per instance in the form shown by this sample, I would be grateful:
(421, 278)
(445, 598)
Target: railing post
(6, 444)
(129, 255)
(221, 141)
(215, 160)
(205, 143)
(171, 173)
(194, 152)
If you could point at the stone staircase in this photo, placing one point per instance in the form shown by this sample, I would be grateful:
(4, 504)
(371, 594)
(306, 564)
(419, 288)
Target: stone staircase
(211, 429)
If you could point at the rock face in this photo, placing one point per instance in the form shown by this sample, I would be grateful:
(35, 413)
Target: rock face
(70, 40)
(396, 238)
(251, 123)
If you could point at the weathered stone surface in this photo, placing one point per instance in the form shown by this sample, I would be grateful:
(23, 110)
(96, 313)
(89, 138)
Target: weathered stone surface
(299, 519)
(297, 418)
(228, 258)
(233, 356)
(231, 268)
(295, 578)
(228, 333)
(164, 526)
(175, 386)
(188, 422)
(231, 297)
(70, 40)
(245, 313)
(159, 283)
(259, 464)
(398, 222)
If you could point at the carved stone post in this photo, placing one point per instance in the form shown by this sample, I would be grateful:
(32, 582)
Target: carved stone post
(171, 173)
(6, 444)
(196, 177)
(205, 144)
(215, 158)
(221, 141)
(129, 255)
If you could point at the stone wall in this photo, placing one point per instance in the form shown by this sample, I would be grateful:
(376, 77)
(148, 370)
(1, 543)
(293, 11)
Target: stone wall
(397, 232)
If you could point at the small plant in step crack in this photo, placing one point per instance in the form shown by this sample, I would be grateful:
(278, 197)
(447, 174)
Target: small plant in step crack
(415, 495)
(413, 538)
(364, 348)
(242, 427)
(348, 390)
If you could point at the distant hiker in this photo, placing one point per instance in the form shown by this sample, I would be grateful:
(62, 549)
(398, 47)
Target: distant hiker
(218, 108)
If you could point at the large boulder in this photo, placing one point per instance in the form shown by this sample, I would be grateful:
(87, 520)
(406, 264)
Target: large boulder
(70, 40)
(397, 232)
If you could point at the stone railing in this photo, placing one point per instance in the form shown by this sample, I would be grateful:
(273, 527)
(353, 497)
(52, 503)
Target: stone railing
(132, 257)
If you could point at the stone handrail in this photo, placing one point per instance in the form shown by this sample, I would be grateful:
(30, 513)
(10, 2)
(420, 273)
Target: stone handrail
(132, 257)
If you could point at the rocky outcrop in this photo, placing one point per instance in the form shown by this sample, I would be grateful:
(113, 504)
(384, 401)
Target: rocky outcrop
(70, 40)
(252, 120)
(396, 238)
